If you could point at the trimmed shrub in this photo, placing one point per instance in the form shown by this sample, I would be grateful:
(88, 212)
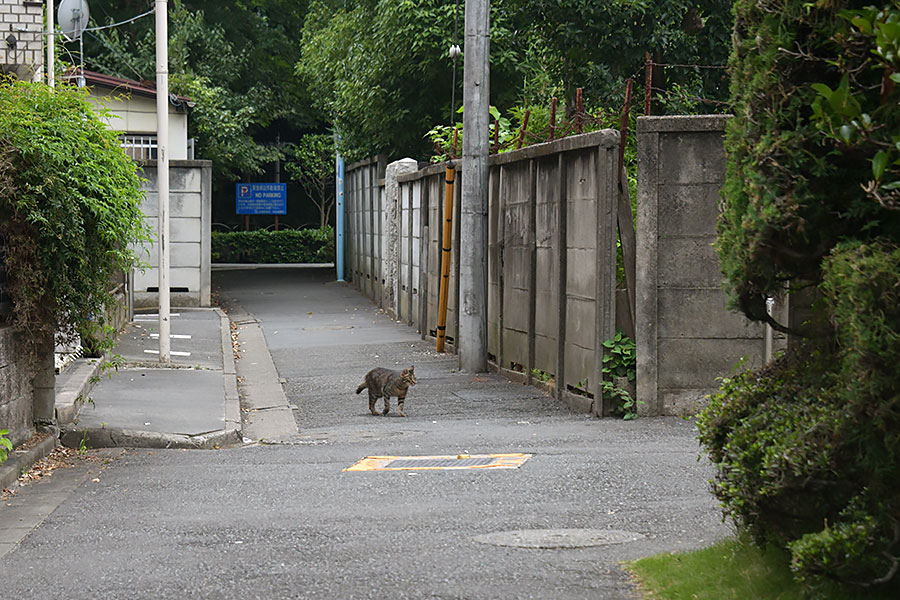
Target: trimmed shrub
(269, 247)
(807, 450)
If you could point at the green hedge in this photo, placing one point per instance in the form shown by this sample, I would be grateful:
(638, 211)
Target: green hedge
(268, 247)
(807, 450)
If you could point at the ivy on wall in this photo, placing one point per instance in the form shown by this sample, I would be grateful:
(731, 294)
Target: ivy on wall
(70, 210)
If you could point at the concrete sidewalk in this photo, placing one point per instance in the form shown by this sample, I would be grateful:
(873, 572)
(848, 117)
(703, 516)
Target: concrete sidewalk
(193, 403)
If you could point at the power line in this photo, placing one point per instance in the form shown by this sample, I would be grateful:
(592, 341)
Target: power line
(125, 22)
(117, 53)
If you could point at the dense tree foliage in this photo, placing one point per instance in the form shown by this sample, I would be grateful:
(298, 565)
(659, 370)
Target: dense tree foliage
(231, 60)
(70, 210)
(597, 45)
(381, 71)
(808, 450)
(236, 61)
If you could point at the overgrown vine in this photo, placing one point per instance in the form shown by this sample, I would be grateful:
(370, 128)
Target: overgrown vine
(70, 211)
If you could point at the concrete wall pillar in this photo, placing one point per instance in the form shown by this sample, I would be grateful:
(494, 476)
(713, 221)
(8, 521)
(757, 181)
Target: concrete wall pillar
(391, 227)
(686, 337)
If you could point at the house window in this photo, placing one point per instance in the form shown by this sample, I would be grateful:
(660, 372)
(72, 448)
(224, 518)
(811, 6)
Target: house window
(139, 147)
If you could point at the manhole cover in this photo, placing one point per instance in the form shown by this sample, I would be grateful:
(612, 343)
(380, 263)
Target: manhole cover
(460, 461)
(550, 539)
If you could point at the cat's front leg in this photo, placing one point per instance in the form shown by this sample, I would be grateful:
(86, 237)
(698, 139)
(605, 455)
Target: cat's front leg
(400, 407)
(387, 405)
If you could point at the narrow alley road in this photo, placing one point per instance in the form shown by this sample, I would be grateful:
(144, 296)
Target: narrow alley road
(285, 520)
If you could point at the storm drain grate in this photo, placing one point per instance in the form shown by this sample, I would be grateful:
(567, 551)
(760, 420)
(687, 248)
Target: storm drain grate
(419, 463)
(460, 461)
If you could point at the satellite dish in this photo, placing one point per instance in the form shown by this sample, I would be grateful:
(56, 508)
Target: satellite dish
(73, 16)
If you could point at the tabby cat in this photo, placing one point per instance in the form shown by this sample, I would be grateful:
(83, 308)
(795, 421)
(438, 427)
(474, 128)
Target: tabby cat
(384, 383)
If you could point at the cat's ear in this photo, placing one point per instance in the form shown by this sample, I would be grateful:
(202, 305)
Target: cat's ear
(405, 371)
(411, 369)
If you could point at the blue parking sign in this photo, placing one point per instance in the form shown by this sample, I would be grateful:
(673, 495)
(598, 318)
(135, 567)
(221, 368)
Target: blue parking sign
(261, 198)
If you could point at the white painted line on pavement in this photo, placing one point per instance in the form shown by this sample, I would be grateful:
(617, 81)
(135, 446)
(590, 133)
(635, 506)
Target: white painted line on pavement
(175, 336)
(172, 352)
(143, 317)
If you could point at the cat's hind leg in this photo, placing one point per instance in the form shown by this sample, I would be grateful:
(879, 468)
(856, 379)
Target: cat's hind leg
(372, 399)
(387, 405)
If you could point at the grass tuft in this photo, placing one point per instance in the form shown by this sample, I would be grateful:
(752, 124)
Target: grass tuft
(732, 569)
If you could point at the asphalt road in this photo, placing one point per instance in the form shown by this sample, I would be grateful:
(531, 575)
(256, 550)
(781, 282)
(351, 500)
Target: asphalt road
(286, 521)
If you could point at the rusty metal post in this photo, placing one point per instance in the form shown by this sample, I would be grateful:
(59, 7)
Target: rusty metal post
(446, 246)
(552, 118)
(579, 110)
(522, 130)
(623, 129)
(648, 82)
(496, 136)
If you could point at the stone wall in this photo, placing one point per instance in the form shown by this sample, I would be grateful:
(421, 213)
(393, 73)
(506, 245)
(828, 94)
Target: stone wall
(190, 221)
(686, 337)
(16, 407)
(21, 38)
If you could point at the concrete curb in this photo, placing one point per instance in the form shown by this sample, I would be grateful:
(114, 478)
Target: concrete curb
(232, 398)
(73, 394)
(115, 437)
(16, 463)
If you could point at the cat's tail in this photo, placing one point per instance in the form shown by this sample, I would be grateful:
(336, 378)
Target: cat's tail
(361, 387)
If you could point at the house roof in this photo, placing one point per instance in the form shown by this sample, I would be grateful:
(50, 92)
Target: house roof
(129, 86)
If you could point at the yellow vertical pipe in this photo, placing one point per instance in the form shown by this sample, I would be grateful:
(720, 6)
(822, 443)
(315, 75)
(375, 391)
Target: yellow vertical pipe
(446, 245)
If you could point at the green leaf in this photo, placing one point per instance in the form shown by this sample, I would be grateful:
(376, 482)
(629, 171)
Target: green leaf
(846, 131)
(862, 24)
(879, 164)
(823, 90)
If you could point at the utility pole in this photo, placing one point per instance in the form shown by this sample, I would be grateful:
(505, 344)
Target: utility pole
(474, 205)
(162, 164)
(51, 45)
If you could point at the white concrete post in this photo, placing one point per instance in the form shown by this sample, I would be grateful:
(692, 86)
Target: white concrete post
(51, 45)
(162, 140)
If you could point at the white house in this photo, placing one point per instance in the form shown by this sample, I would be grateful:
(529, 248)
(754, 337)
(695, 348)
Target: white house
(132, 108)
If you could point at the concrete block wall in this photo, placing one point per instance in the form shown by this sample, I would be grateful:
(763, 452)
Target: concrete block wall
(24, 21)
(190, 221)
(685, 335)
(552, 263)
(16, 408)
(551, 256)
(364, 225)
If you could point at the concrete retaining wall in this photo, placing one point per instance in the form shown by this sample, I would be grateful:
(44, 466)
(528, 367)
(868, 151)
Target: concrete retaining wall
(190, 220)
(686, 337)
(16, 408)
